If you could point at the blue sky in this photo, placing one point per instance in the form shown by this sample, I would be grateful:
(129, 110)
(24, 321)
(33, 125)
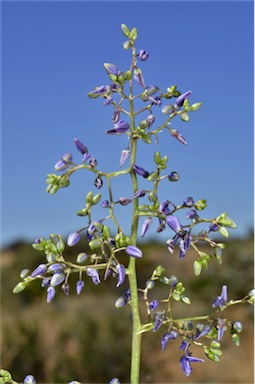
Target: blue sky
(53, 55)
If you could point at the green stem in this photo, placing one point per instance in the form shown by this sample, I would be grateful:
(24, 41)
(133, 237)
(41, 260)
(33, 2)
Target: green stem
(136, 338)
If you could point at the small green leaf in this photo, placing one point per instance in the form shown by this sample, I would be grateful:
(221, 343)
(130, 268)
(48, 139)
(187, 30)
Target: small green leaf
(125, 30)
(133, 34)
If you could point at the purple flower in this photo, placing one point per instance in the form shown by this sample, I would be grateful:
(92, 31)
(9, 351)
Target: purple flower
(180, 99)
(108, 100)
(105, 204)
(116, 115)
(192, 214)
(124, 156)
(143, 55)
(188, 202)
(159, 318)
(184, 345)
(114, 381)
(221, 328)
(124, 200)
(156, 101)
(40, 270)
(173, 176)
(153, 304)
(185, 364)
(167, 337)
(61, 165)
(98, 183)
(146, 225)
(141, 193)
(178, 136)
(57, 279)
(138, 77)
(79, 286)
(73, 238)
(174, 223)
(80, 146)
(141, 171)
(200, 333)
(164, 207)
(54, 268)
(111, 69)
(222, 299)
(65, 288)
(50, 294)
(184, 245)
(29, 379)
(214, 227)
(86, 157)
(133, 251)
(67, 158)
(121, 274)
(93, 274)
(92, 162)
(120, 127)
(150, 120)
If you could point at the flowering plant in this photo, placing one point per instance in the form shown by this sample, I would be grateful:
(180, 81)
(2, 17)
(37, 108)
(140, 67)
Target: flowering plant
(113, 251)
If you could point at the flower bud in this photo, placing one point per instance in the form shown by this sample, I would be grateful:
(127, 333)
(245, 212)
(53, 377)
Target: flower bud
(180, 99)
(40, 270)
(81, 257)
(73, 239)
(173, 176)
(57, 279)
(120, 302)
(174, 223)
(111, 69)
(124, 200)
(80, 146)
(54, 268)
(153, 305)
(121, 274)
(19, 287)
(93, 274)
(29, 379)
(98, 183)
(141, 171)
(65, 288)
(79, 286)
(138, 77)
(124, 156)
(133, 251)
(24, 273)
(61, 165)
(50, 294)
(67, 158)
(143, 55)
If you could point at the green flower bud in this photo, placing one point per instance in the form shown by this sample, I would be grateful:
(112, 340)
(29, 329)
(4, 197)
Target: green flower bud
(157, 158)
(195, 106)
(185, 117)
(224, 232)
(127, 75)
(19, 287)
(236, 339)
(214, 344)
(81, 257)
(197, 266)
(153, 176)
(96, 199)
(82, 212)
(50, 257)
(158, 271)
(114, 78)
(106, 232)
(200, 205)
(185, 299)
(143, 124)
(95, 244)
(24, 273)
(152, 197)
(89, 197)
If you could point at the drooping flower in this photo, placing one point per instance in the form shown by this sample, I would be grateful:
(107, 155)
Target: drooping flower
(174, 223)
(65, 288)
(73, 238)
(150, 120)
(184, 244)
(79, 286)
(222, 327)
(138, 77)
(167, 337)
(153, 304)
(141, 171)
(121, 274)
(50, 294)
(143, 55)
(120, 127)
(146, 225)
(222, 299)
(180, 99)
(133, 251)
(185, 364)
(80, 146)
(164, 207)
(93, 274)
(124, 156)
(200, 333)
(159, 318)
(178, 136)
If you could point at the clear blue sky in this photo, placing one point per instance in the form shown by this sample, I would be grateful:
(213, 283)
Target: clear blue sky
(52, 56)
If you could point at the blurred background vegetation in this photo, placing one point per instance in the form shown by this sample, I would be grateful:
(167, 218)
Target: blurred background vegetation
(86, 338)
